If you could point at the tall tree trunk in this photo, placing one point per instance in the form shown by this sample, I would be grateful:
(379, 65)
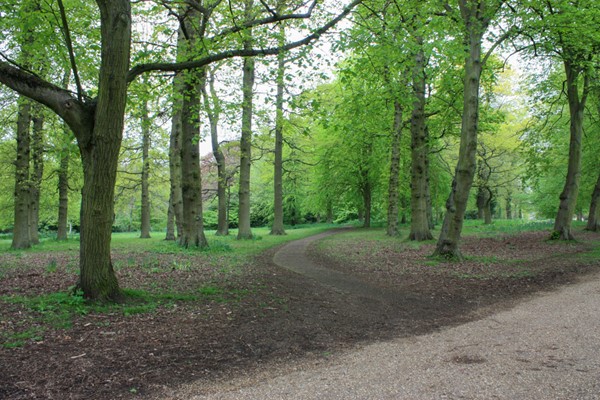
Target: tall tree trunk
(419, 223)
(170, 235)
(100, 154)
(509, 205)
(176, 200)
(63, 174)
(191, 184)
(63, 187)
(392, 211)
(214, 112)
(430, 215)
(277, 228)
(593, 223)
(145, 212)
(37, 173)
(480, 202)
(367, 196)
(456, 205)
(244, 230)
(21, 232)
(487, 207)
(568, 197)
(329, 218)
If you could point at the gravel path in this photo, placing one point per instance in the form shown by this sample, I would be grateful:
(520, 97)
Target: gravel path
(546, 347)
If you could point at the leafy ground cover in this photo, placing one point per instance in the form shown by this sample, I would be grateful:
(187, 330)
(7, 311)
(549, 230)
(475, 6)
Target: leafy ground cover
(205, 316)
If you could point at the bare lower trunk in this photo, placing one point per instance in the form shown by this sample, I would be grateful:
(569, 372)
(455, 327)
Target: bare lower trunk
(508, 206)
(244, 230)
(21, 232)
(329, 218)
(191, 185)
(487, 211)
(63, 175)
(100, 154)
(430, 215)
(568, 197)
(367, 204)
(175, 196)
(37, 173)
(456, 205)
(145, 212)
(277, 228)
(170, 235)
(593, 223)
(419, 224)
(63, 190)
(392, 211)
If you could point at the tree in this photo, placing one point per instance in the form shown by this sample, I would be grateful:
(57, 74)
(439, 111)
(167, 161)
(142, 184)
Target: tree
(476, 16)
(145, 196)
(244, 230)
(213, 111)
(419, 226)
(593, 223)
(566, 31)
(277, 227)
(97, 123)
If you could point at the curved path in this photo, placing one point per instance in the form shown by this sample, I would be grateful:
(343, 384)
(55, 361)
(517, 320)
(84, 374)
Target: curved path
(293, 257)
(547, 347)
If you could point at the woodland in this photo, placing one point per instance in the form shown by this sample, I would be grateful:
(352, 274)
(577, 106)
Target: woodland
(159, 157)
(384, 112)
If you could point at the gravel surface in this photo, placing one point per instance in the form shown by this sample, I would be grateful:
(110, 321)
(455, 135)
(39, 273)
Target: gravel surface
(546, 347)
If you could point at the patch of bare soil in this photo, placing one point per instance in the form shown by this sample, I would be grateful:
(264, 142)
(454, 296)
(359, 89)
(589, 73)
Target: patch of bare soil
(260, 315)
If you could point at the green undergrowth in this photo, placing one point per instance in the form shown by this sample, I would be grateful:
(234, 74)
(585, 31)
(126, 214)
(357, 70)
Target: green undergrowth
(59, 310)
(130, 242)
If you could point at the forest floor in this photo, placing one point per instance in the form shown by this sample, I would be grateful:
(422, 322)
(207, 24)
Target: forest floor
(191, 322)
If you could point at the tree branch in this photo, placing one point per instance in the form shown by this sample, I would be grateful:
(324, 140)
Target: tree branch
(174, 67)
(69, 43)
(77, 114)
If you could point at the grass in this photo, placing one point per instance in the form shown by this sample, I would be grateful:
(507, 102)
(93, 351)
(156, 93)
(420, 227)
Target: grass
(58, 310)
(130, 242)
(225, 256)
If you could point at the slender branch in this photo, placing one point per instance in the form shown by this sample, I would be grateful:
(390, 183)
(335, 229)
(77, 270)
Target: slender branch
(69, 43)
(174, 67)
(267, 20)
(497, 43)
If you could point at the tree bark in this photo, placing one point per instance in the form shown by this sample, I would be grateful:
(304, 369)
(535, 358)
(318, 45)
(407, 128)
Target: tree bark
(568, 197)
(593, 223)
(170, 235)
(37, 173)
(191, 184)
(145, 212)
(176, 200)
(244, 230)
(419, 223)
(509, 205)
(63, 188)
(277, 228)
(175, 197)
(367, 197)
(456, 205)
(329, 211)
(392, 211)
(487, 208)
(100, 154)
(21, 232)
